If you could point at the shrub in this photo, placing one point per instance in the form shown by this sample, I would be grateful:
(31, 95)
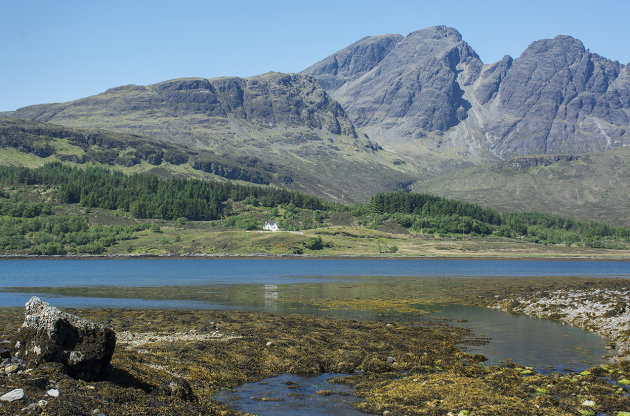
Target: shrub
(314, 243)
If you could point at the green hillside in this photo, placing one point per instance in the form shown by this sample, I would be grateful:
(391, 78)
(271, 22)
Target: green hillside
(59, 209)
(588, 187)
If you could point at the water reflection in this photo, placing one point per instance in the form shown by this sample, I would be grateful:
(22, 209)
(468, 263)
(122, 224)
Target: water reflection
(528, 341)
(292, 395)
(271, 298)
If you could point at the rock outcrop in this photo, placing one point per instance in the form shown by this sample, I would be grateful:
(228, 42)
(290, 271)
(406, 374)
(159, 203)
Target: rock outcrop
(205, 108)
(84, 348)
(558, 97)
(354, 61)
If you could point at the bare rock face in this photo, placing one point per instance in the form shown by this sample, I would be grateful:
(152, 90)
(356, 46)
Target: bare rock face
(556, 98)
(412, 86)
(85, 348)
(353, 62)
(268, 101)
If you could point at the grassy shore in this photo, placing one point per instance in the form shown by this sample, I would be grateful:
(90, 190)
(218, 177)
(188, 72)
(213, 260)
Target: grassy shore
(212, 238)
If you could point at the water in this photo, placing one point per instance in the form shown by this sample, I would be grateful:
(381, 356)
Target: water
(312, 286)
(292, 395)
(544, 345)
(172, 272)
(304, 285)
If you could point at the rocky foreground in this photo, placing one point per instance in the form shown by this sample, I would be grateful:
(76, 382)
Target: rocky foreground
(602, 311)
(172, 362)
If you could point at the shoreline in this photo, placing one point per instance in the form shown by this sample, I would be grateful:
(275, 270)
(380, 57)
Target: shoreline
(600, 311)
(264, 256)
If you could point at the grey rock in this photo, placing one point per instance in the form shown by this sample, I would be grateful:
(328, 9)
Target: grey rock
(415, 88)
(83, 347)
(557, 97)
(491, 78)
(526, 162)
(269, 100)
(53, 393)
(352, 62)
(13, 395)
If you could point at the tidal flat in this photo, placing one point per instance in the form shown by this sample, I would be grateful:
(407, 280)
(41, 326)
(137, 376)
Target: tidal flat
(396, 367)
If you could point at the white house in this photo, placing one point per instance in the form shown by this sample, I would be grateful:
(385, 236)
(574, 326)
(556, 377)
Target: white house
(271, 226)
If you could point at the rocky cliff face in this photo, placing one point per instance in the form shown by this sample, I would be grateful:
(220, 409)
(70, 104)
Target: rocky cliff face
(557, 97)
(354, 61)
(414, 89)
(266, 101)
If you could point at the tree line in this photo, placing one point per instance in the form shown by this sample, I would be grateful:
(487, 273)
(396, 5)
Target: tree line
(146, 196)
(432, 214)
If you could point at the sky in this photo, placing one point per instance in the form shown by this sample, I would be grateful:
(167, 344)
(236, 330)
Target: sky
(56, 51)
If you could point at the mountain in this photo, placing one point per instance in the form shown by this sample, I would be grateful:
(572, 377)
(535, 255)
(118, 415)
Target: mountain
(430, 93)
(282, 120)
(547, 130)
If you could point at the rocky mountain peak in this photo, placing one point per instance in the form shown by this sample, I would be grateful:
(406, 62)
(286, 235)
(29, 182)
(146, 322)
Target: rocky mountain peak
(436, 33)
(562, 43)
(352, 62)
(413, 89)
(555, 97)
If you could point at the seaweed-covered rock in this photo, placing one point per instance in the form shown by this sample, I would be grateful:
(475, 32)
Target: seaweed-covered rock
(84, 347)
(178, 387)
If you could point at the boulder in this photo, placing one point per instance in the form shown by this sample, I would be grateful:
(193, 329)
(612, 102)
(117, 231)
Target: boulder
(178, 387)
(13, 395)
(83, 347)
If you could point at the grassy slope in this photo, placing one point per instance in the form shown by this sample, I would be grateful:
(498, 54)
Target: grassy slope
(595, 187)
(340, 241)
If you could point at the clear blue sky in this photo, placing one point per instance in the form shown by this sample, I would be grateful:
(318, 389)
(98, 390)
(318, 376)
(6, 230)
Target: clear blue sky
(55, 51)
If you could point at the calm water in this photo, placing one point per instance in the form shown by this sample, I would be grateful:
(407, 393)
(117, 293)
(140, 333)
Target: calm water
(172, 272)
(292, 395)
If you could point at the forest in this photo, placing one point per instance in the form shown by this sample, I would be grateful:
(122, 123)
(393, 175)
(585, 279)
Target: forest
(31, 224)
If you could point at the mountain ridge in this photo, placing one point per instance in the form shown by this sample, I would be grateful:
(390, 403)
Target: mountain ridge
(391, 112)
(286, 120)
(432, 89)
